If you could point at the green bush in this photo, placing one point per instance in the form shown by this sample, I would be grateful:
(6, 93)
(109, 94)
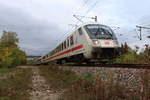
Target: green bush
(128, 58)
(131, 57)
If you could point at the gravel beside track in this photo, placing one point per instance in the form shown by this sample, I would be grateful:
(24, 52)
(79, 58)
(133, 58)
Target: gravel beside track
(41, 90)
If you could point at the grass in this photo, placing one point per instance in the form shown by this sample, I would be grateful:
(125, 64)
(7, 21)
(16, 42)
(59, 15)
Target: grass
(16, 85)
(58, 79)
(5, 70)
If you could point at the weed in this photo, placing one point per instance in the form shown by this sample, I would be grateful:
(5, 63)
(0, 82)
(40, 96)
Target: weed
(15, 86)
(58, 79)
(5, 70)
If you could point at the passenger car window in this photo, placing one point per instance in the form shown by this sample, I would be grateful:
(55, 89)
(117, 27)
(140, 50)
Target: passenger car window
(68, 42)
(71, 40)
(62, 46)
(65, 45)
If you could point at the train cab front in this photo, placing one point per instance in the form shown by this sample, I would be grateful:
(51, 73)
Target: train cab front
(104, 42)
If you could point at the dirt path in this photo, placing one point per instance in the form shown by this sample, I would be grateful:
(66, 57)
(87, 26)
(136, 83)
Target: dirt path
(41, 90)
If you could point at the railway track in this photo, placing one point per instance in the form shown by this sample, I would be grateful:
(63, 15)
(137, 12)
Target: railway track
(130, 66)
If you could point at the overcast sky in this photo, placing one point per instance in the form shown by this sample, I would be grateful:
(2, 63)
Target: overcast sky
(41, 24)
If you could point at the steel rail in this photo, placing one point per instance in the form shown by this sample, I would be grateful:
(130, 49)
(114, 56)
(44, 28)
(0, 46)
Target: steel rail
(133, 66)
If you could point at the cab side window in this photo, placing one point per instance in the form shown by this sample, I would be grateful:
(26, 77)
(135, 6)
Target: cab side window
(80, 31)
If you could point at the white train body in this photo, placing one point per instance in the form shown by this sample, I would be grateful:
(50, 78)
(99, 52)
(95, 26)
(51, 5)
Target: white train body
(89, 42)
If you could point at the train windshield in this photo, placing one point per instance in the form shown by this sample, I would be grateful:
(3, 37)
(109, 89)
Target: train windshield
(97, 31)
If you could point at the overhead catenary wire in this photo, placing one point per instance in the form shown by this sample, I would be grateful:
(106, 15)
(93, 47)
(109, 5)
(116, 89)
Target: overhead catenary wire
(140, 28)
(88, 10)
(91, 7)
(131, 39)
(85, 2)
(64, 35)
(83, 5)
(125, 33)
(128, 37)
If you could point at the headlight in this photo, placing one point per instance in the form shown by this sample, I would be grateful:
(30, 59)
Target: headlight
(96, 42)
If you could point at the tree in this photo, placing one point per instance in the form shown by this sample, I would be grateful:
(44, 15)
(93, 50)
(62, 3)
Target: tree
(10, 53)
(125, 48)
(8, 39)
(147, 50)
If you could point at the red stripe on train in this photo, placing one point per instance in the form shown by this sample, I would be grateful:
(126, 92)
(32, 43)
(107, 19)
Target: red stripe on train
(68, 51)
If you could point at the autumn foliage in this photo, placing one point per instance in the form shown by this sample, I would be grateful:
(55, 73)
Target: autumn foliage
(10, 53)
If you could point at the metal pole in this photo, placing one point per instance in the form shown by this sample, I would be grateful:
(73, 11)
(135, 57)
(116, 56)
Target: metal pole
(95, 18)
(140, 29)
(140, 33)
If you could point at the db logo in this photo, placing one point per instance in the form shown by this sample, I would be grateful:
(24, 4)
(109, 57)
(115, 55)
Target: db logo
(107, 43)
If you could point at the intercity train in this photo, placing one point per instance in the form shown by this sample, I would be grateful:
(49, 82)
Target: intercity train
(90, 42)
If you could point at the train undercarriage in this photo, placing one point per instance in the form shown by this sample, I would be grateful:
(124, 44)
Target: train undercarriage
(102, 55)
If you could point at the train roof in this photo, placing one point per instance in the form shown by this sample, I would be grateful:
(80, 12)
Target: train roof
(87, 23)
